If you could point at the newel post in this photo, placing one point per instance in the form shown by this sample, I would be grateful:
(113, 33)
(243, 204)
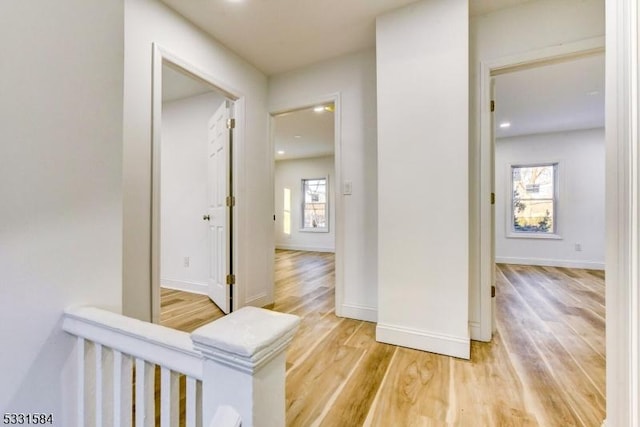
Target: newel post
(244, 365)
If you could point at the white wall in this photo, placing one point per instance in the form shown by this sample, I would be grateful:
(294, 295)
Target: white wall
(580, 210)
(60, 186)
(353, 77)
(516, 30)
(183, 195)
(423, 278)
(289, 174)
(149, 21)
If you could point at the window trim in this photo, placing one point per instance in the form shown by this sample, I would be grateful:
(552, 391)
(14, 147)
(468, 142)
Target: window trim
(511, 232)
(304, 229)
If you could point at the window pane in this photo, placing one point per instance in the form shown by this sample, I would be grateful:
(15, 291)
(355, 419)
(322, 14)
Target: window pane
(534, 198)
(314, 215)
(535, 182)
(533, 216)
(314, 203)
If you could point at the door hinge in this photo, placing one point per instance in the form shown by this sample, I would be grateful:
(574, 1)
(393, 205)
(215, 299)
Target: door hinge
(231, 123)
(231, 279)
(493, 292)
(493, 198)
(493, 106)
(231, 201)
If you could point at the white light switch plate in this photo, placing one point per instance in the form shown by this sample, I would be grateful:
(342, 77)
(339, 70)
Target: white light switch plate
(347, 188)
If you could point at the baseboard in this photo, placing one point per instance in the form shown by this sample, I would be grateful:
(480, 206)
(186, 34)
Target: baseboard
(591, 265)
(180, 285)
(305, 248)
(424, 340)
(359, 312)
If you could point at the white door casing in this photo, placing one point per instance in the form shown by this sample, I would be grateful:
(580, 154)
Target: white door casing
(217, 210)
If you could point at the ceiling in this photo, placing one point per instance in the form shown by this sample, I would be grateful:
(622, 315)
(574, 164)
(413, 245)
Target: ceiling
(304, 133)
(278, 35)
(552, 98)
(281, 35)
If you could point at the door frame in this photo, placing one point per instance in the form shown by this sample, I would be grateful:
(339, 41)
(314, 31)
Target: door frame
(162, 56)
(338, 221)
(489, 69)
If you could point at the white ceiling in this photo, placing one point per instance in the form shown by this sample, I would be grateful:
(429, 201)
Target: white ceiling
(281, 35)
(551, 98)
(303, 134)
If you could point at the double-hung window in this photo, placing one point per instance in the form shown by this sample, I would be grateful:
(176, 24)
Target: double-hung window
(534, 200)
(315, 206)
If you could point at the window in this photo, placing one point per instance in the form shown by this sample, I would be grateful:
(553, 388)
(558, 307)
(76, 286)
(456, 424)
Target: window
(314, 205)
(286, 212)
(534, 200)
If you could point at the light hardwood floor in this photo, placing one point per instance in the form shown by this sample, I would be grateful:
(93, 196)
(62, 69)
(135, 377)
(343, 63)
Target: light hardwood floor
(544, 367)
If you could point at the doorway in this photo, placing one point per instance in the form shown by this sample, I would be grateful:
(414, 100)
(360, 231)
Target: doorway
(487, 192)
(192, 197)
(306, 199)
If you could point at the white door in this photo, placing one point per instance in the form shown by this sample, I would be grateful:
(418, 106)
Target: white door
(492, 168)
(218, 213)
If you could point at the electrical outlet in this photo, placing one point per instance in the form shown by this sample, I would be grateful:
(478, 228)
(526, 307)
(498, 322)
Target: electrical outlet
(578, 247)
(186, 261)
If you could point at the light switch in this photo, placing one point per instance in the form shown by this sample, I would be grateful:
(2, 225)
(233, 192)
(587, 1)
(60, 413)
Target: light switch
(347, 188)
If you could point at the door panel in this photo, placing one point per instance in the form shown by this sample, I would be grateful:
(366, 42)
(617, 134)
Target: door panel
(218, 212)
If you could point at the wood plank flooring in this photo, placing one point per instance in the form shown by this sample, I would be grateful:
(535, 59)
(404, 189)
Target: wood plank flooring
(544, 367)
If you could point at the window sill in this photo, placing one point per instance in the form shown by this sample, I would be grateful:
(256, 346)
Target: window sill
(525, 235)
(313, 230)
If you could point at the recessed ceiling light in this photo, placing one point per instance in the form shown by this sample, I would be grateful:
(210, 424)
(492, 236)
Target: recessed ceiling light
(593, 93)
(319, 109)
(505, 125)
(281, 152)
(297, 136)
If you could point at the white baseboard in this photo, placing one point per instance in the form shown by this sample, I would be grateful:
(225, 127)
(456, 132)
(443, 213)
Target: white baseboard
(359, 312)
(180, 285)
(424, 340)
(305, 248)
(592, 265)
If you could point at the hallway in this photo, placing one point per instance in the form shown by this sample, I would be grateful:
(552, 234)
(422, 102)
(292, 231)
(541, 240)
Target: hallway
(545, 366)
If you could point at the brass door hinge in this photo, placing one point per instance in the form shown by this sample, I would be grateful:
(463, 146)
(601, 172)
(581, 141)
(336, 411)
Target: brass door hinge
(231, 201)
(231, 279)
(493, 198)
(493, 106)
(231, 123)
(493, 292)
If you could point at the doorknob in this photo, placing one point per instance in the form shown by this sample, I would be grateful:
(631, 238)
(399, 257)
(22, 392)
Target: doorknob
(206, 217)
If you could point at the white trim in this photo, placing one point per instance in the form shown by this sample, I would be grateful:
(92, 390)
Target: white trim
(338, 198)
(163, 56)
(475, 332)
(487, 68)
(304, 248)
(623, 214)
(359, 312)
(532, 235)
(432, 342)
(183, 285)
(548, 262)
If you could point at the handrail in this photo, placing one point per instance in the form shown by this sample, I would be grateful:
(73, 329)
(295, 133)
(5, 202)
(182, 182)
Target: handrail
(154, 343)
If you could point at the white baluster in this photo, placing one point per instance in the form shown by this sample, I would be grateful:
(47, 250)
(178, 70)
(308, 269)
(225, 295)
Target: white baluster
(145, 410)
(117, 388)
(193, 405)
(98, 396)
(80, 379)
(169, 398)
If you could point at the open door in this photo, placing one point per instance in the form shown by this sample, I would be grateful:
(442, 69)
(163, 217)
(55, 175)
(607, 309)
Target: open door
(492, 168)
(221, 278)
